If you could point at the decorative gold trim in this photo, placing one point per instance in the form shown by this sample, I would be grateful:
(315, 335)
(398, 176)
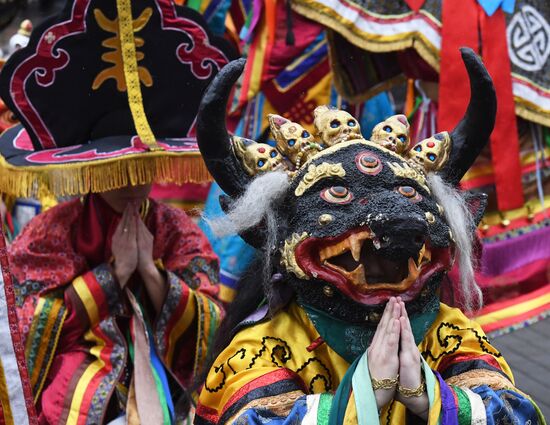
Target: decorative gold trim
(531, 207)
(477, 377)
(132, 75)
(534, 86)
(406, 171)
(326, 16)
(531, 112)
(103, 175)
(288, 255)
(342, 145)
(316, 173)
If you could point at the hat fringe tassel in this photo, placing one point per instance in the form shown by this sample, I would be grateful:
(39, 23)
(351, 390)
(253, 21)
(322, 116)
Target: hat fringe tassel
(101, 176)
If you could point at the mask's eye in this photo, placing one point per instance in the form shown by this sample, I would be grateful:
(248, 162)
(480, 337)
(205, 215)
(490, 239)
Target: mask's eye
(387, 129)
(432, 157)
(291, 142)
(260, 163)
(337, 195)
(273, 153)
(305, 134)
(402, 137)
(418, 148)
(410, 193)
(334, 124)
(352, 123)
(368, 163)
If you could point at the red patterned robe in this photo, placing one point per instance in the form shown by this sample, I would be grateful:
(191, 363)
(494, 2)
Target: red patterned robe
(76, 321)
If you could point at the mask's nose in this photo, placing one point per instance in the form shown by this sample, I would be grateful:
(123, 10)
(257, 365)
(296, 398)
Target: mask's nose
(401, 235)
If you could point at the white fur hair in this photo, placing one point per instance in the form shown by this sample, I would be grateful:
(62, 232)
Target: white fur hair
(256, 204)
(253, 206)
(460, 220)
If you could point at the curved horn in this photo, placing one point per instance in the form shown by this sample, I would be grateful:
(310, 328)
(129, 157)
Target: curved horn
(212, 137)
(472, 133)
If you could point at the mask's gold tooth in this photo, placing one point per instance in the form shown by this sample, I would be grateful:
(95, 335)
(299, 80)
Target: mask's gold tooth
(413, 268)
(421, 255)
(358, 275)
(427, 255)
(333, 250)
(356, 243)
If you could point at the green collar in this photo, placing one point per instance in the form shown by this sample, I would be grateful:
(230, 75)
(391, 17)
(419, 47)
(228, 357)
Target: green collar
(350, 341)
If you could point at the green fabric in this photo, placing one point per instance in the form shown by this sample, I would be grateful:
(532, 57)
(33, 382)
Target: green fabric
(351, 341)
(341, 398)
(365, 400)
(162, 396)
(166, 418)
(542, 420)
(214, 323)
(464, 408)
(194, 4)
(323, 411)
(417, 103)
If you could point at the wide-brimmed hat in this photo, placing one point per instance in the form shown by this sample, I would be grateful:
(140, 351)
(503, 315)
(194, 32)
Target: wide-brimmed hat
(107, 93)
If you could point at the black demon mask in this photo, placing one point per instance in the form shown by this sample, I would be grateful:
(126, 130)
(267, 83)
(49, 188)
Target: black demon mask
(358, 220)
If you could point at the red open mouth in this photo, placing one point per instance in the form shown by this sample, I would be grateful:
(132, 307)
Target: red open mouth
(353, 263)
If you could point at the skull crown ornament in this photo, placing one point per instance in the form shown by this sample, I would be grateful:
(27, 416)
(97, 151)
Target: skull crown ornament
(295, 145)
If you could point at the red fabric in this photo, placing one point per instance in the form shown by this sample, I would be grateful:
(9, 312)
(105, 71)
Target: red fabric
(415, 67)
(18, 346)
(45, 252)
(193, 192)
(463, 21)
(518, 320)
(305, 31)
(415, 4)
(95, 230)
(451, 360)
(504, 140)
(459, 29)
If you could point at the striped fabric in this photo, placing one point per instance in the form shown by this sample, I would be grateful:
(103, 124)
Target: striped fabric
(42, 339)
(479, 415)
(16, 405)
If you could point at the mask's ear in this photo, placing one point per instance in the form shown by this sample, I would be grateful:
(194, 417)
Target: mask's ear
(477, 202)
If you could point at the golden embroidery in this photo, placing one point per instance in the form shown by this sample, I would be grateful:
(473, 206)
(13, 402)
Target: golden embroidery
(280, 405)
(406, 171)
(477, 377)
(115, 55)
(319, 172)
(288, 255)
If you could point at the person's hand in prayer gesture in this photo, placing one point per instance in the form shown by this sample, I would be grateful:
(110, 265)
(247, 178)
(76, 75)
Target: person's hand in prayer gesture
(132, 248)
(394, 361)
